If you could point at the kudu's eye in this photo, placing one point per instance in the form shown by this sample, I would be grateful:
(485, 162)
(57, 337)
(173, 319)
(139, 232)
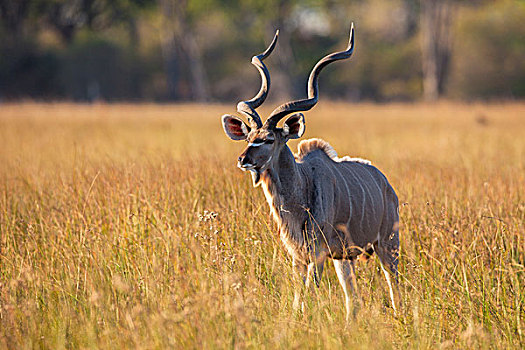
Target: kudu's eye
(268, 141)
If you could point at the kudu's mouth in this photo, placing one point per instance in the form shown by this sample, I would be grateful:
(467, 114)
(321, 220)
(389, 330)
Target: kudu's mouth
(256, 174)
(255, 170)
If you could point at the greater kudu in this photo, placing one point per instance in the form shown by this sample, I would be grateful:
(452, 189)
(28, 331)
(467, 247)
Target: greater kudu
(325, 206)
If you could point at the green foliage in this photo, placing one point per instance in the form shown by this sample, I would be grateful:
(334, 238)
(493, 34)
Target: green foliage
(28, 72)
(45, 49)
(490, 52)
(96, 68)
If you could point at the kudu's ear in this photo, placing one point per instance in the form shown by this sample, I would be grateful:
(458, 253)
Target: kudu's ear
(294, 126)
(234, 127)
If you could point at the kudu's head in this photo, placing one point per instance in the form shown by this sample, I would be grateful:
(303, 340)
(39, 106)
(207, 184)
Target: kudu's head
(265, 141)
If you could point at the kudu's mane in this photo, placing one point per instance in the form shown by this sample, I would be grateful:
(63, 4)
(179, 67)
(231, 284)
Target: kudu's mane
(306, 147)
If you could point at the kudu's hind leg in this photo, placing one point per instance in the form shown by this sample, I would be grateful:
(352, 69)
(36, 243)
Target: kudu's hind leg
(345, 270)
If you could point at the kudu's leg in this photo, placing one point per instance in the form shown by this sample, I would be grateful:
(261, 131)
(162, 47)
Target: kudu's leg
(317, 251)
(388, 252)
(345, 270)
(315, 272)
(312, 271)
(300, 275)
(389, 282)
(317, 256)
(387, 246)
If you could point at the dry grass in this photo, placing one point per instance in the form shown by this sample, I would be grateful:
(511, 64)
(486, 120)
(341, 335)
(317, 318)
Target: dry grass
(130, 226)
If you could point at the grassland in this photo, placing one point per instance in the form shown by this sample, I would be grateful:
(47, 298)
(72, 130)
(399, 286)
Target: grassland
(129, 226)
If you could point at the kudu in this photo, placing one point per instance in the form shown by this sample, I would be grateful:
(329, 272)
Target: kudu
(325, 206)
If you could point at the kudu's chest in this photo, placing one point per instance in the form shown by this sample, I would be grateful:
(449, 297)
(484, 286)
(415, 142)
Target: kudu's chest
(290, 212)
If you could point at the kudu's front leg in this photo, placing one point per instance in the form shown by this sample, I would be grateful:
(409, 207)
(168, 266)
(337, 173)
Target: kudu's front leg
(315, 270)
(316, 256)
(300, 274)
(304, 274)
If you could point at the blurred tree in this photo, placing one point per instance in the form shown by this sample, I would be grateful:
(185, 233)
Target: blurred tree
(436, 44)
(111, 49)
(97, 69)
(386, 64)
(277, 13)
(264, 17)
(489, 55)
(179, 47)
(13, 14)
(68, 16)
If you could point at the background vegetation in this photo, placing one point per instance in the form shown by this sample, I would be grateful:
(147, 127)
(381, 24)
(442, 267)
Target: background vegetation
(173, 50)
(120, 228)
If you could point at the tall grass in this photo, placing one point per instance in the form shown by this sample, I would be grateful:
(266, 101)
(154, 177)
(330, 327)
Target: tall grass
(130, 226)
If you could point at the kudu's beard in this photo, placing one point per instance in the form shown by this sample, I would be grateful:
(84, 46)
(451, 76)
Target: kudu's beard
(256, 177)
(257, 171)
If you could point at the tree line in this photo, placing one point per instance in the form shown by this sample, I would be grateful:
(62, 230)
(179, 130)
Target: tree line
(200, 50)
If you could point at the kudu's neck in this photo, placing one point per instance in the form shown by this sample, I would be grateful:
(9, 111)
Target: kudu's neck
(283, 184)
(284, 172)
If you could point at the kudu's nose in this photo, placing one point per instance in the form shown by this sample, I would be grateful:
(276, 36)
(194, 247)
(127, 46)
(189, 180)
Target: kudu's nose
(241, 161)
(244, 161)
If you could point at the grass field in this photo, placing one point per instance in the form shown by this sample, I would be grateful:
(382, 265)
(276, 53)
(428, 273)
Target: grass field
(129, 226)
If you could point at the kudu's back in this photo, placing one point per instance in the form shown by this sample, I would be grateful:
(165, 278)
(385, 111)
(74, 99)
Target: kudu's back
(357, 203)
